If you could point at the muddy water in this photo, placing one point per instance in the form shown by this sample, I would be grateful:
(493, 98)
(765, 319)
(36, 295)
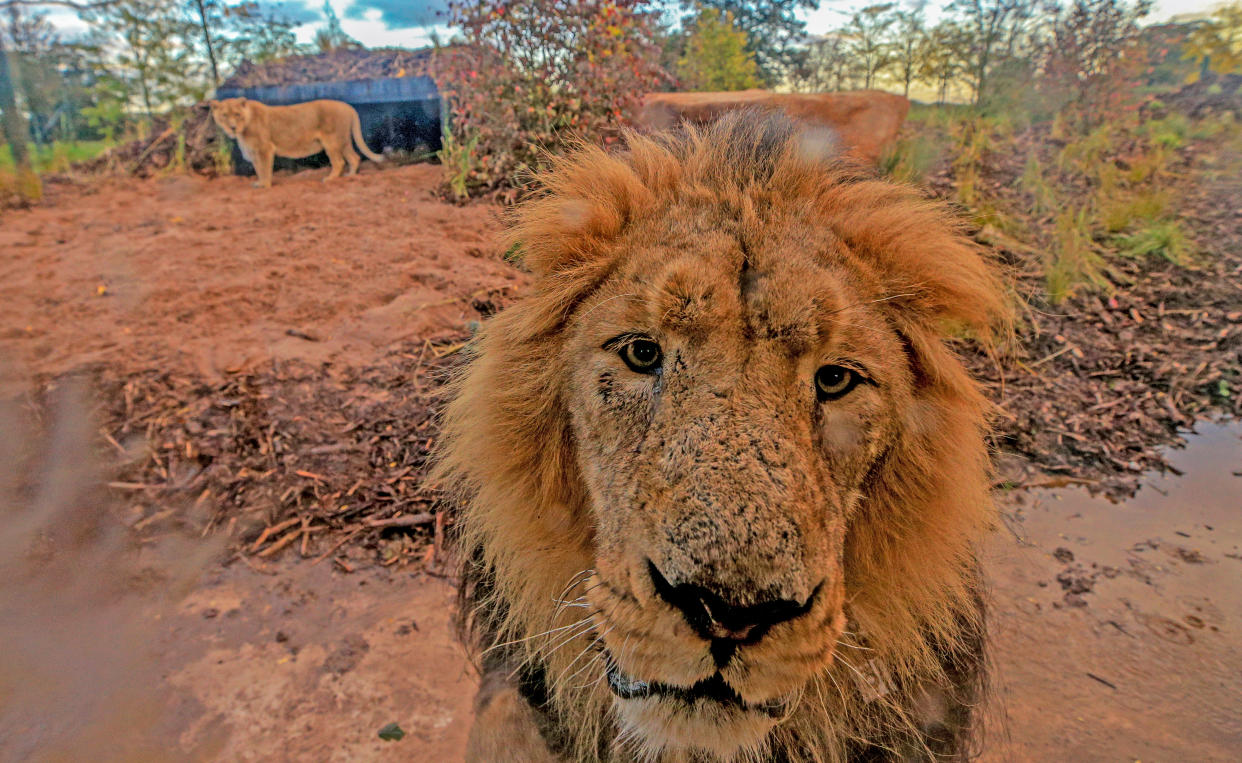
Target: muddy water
(1118, 627)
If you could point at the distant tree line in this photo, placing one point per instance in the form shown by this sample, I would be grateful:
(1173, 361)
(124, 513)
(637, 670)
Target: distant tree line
(139, 59)
(978, 50)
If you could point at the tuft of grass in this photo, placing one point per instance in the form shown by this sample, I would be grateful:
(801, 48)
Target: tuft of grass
(1122, 211)
(458, 160)
(1035, 182)
(1086, 154)
(19, 188)
(1170, 132)
(222, 157)
(1215, 126)
(1164, 238)
(1075, 261)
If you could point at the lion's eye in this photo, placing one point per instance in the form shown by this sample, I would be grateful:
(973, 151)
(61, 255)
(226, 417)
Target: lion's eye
(641, 355)
(833, 382)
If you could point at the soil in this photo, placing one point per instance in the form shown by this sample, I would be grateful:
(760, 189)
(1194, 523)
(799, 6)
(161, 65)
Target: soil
(263, 367)
(216, 277)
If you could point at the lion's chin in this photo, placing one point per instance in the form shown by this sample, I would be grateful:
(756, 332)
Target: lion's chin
(656, 724)
(709, 716)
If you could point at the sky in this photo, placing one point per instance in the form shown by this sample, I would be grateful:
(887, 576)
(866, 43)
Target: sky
(408, 23)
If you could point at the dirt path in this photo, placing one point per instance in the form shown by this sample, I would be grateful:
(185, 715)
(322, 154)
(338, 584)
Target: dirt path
(214, 274)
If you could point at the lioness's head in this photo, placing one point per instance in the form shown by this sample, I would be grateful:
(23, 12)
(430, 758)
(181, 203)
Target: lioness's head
(232, 114)
(721, 437)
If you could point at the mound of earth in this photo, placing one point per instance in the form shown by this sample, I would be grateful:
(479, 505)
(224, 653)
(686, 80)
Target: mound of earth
(1211, 95)
(340, 65)
(193, 141)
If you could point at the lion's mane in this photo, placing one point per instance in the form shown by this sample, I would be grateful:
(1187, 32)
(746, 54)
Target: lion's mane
(508, 458)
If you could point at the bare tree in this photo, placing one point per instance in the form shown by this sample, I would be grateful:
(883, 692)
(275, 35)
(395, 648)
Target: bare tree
(868, 32)
(986, 24)
(908, 34)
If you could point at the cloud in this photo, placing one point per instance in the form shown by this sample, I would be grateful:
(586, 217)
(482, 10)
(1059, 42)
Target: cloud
(399, 14)
(304, 12)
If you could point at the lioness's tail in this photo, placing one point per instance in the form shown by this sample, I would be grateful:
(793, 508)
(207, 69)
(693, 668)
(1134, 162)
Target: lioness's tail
(362, 146)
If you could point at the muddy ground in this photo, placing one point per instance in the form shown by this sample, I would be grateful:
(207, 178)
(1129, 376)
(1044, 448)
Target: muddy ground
(306, 328)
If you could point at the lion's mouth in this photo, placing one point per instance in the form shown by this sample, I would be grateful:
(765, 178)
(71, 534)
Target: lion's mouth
(714, 689)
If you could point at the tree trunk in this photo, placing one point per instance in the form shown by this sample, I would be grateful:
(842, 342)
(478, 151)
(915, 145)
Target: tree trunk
(146, 94)
(211, 53)
(15, 130)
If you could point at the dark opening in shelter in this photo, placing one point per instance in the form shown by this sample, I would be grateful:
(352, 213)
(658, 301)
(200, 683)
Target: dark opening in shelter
(396, 98)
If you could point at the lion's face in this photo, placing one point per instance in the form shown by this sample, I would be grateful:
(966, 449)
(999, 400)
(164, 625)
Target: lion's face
(232, 114)
(730, 395)
(725, 421)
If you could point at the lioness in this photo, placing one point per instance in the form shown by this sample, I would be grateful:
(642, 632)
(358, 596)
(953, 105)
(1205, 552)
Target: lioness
(720, 473)
(296, 131)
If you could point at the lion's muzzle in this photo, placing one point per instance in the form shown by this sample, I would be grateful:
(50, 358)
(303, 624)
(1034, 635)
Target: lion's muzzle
(723, 624)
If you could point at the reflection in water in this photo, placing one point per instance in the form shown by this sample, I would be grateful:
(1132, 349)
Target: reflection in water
(1118, 627)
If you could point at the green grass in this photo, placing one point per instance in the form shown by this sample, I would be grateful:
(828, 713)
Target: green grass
(1075, 261)
(57, 157)
(911, 158)
(1122, 211)
(1170, 132)
(1165, 239)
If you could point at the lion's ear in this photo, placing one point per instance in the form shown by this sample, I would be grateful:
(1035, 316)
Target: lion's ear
(212, 102)
(590, 196)
(931, 271)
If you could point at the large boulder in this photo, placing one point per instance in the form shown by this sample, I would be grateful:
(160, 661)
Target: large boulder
(863, 121)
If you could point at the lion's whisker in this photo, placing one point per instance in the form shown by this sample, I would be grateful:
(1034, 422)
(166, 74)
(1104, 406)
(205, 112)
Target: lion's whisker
(588, 623)
(597, 656)
(859, 647)
(889, 298)
(535, 636)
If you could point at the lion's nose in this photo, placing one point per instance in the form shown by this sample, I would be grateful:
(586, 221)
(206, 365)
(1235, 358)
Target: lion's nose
(717, 620)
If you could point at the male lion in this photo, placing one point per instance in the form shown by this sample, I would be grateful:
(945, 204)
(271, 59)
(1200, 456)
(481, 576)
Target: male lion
(720, 475)
(303, 129)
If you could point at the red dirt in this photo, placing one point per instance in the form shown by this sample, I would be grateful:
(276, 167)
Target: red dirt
(214, 274)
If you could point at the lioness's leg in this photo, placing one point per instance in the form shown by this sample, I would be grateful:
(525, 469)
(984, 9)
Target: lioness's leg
(338, 161)
(353, 158)
(263, 160)
(505, 726)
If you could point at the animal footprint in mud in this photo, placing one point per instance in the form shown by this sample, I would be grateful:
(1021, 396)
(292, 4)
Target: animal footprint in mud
(1167, 629)
(1203, 614)
(1075, 580)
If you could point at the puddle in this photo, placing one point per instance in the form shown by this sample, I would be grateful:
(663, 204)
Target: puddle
(1118, 627)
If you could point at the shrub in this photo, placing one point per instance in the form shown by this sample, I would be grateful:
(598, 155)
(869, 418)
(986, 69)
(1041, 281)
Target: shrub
(1093, 58)
(533, 76)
